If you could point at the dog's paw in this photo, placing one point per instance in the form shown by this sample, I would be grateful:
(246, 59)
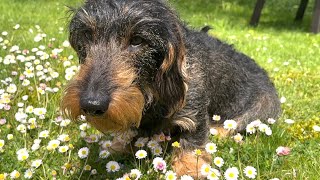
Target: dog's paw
(187, 163)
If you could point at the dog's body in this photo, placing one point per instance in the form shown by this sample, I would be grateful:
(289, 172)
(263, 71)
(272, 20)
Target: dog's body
(142, 67)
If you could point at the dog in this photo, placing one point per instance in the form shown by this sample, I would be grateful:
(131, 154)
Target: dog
(142, 68)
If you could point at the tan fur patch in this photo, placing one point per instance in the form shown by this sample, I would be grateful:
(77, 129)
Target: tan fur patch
(70, 103)
(187, 163)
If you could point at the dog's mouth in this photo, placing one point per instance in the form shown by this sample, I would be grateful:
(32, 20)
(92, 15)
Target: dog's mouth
(104, 124)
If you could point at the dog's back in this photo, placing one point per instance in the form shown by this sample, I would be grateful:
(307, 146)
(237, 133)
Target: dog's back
(235, 86)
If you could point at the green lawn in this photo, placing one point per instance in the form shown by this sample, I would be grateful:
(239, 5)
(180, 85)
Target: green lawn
(285, 48)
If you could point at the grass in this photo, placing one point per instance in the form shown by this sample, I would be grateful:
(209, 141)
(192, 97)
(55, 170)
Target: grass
(283, 47)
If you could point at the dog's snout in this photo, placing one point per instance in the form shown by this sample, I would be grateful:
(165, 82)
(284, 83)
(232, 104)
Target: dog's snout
(94, 106)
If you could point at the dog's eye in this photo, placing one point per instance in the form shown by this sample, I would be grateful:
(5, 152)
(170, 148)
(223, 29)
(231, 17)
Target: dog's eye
(136, 41)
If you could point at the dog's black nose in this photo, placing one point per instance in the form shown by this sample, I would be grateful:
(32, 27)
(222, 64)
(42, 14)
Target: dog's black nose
(94, 106)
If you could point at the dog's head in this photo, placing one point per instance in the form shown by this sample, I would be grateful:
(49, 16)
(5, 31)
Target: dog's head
(131, 55)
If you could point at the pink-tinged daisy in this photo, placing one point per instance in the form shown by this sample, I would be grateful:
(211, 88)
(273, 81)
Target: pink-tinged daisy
(283, 151)
(159, 164)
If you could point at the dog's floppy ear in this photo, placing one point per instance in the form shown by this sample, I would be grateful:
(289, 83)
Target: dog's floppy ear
(171, 77)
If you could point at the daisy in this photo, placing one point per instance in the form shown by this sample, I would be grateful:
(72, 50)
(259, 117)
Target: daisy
(64, 138)
(106, 144)
(36, 163)
(157, 151)
(216, 118)
(205, 169)
(211, 148)
(152, 144)
(112, 166)
(84, 126)
(12, 88)
(15, 174)
(25, 82)
(135, 174)
(186, 177)
(231, 173)
(214, 174)
(104, 154)
(35, 147)
(283, 100)
(289, 121)
(1, 143)
(230, 125)
(271, 120)
(28, 174)
(283, 151)
(63, 149)
(53, 144)
(170, 175)
(22, 154)
(250, 172)
(159, 164)
(40, 111)
(44, 134)
(218, 161)
(213, 131)
(250, 129)
(9, 137)
(238, 138)
(83, 152)
(140, 142)
(87, 167)
(197, 152)
(94, 172)
(140, 154)
(316, 128)
(21, 128)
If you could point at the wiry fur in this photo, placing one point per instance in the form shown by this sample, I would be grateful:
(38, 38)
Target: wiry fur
(147, 69)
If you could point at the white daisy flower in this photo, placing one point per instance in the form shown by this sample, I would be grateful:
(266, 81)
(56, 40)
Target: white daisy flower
(230, 125)
(250, 172)
(214, 174)
(83, 152)
(140, 154)
(205, 169)
(231, 173)
(112, 166)
(211, 148)
(104, 154)
(170, 175)
(218, 161)
(36, 163)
